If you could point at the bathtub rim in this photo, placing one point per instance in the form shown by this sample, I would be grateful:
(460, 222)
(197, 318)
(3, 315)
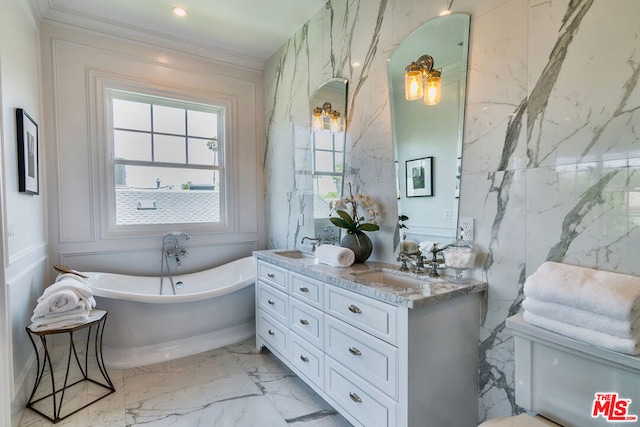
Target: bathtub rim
(102, 292)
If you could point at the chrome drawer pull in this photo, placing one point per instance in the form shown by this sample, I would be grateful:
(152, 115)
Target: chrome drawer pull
(304, 321)
(355, 351)
(354, 309)
(271, 332)
(304, 289)
(271, 275)
(304, 358)
(271, 301)
(355, 397)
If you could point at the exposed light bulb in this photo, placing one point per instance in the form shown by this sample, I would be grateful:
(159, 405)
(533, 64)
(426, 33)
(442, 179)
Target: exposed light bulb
(317, 121)
(179, 11)
(433, 88)
(316, 124)
(413, 82)
(336, 123)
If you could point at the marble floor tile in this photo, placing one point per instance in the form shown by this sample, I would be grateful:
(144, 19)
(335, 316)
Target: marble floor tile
(235, 386)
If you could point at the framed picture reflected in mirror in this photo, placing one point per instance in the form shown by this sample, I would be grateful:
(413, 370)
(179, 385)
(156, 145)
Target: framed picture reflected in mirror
(419, 177)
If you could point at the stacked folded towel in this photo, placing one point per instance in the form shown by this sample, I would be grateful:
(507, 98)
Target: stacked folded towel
(335, 256)
(67, 302)
(597, 307)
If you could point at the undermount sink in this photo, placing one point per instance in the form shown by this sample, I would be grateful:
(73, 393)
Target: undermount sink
(303, 257)
(392, 279)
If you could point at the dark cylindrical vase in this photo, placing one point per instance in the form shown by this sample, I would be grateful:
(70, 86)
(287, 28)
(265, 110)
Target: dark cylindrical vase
(360, 244)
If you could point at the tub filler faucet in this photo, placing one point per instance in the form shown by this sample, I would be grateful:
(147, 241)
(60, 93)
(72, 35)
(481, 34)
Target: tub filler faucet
(178, 252)
(171, 249)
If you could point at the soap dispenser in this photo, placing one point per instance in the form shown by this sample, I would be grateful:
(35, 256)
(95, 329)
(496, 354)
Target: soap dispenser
(459, 256)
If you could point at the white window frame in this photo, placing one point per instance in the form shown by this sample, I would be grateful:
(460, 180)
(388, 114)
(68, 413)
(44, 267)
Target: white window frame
(110, 228)
(334, 174)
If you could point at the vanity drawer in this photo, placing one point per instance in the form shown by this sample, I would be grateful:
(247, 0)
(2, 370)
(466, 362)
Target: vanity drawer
(307, 289)
(273, 302)
(372, 359)
(273, 333)
(307, 321)
(363, 401)
(308, 359)
(273, 275)
(377, 318)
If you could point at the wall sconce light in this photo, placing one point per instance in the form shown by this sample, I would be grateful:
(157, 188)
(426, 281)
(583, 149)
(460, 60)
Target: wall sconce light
(324, 114)
(317, 119)
(335, 123)
(433, 88)
(417, 72)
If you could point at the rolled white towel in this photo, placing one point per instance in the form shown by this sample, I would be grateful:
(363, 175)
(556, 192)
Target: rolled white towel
(80, 288)
(75, 277)
(589, 336)
(67, 297)
(585, 319)
(55, 302)
(610, 294)
(335, 256)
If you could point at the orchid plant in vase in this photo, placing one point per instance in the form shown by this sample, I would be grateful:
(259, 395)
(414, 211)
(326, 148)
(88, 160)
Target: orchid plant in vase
(355, 224)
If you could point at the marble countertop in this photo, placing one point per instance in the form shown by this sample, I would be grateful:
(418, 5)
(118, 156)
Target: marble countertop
(428, 291)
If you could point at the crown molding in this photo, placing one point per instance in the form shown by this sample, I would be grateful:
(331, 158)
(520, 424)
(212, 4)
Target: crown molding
(45, 12)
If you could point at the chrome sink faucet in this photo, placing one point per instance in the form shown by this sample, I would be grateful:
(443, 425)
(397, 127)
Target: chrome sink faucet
(420, 263)
(314, 241)
(403, 257)
(434, 260)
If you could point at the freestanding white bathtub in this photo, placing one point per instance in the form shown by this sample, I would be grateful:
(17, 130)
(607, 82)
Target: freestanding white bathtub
(214, 308)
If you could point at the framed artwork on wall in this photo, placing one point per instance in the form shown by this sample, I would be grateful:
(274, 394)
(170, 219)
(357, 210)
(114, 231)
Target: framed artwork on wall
(419, 177)
(398, 193)
(27, 133)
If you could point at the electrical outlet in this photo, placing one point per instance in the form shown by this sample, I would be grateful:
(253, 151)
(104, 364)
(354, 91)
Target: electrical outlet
(448, 214)
(11, 232)
(466, 228)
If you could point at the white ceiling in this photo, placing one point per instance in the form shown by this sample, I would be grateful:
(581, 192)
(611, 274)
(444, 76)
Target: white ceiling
(246, 28)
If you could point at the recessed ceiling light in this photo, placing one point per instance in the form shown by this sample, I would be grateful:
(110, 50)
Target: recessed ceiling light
(179, 11)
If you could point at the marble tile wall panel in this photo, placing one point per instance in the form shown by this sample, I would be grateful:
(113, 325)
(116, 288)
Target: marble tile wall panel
(583, 82)
(497, 201)
(588, 213)
(496, 90)
(550, 163)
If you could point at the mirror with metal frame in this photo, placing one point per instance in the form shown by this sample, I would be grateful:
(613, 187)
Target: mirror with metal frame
(428, 138)
(328, 115)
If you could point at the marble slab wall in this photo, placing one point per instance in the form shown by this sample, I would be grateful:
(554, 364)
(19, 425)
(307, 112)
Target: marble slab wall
(551, 153)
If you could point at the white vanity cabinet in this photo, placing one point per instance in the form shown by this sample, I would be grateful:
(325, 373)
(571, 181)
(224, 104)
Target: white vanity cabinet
(378, 364)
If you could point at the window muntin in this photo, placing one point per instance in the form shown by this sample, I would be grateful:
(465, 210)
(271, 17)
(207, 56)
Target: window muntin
(167, 158)
(328, 158)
